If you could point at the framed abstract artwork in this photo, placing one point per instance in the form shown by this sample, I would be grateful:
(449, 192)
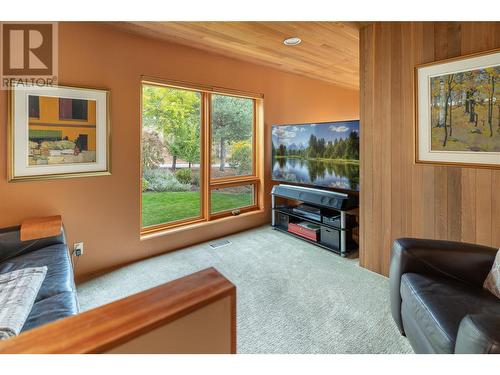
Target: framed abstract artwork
(58, 132)
(458, 111)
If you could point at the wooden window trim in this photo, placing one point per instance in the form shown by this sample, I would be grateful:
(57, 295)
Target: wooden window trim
(184, 85)
(207, 151)
(230, 182)
(170, 225)
(207, 184)
(197, 225)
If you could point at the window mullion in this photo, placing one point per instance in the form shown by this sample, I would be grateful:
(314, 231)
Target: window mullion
(206, 162)
(234, 181)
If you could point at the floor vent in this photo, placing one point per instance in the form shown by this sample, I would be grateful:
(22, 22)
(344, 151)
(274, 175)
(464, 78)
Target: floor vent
(221, 243)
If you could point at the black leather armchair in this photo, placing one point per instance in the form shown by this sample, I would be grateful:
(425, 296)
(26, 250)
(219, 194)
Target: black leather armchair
(437, 298)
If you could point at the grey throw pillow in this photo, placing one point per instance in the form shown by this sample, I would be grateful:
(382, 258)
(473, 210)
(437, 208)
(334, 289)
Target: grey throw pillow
(492, 282)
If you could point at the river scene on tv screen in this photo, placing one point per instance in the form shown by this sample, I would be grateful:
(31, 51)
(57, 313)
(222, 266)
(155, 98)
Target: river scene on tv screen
(325, 154)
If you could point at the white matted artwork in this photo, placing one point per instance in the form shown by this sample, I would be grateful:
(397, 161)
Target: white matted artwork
(58, 132)
(458, 111)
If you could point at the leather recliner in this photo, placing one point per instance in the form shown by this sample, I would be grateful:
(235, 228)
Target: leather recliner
(437, 297)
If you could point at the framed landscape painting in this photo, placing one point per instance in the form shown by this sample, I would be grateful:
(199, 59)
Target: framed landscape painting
(458, 111)
(58, 132)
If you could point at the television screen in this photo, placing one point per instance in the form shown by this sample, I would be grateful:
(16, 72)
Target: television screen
(325, 154)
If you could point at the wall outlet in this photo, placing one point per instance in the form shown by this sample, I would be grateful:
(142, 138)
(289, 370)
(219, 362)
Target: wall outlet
(78, 249)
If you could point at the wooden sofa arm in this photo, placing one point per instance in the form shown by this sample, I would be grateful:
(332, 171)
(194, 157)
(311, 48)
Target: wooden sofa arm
(41, 227)
(116, 326)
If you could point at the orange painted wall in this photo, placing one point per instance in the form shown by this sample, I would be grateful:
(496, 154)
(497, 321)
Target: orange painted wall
(104, 211)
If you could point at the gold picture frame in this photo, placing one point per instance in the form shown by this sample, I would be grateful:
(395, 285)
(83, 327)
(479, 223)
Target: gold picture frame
(460, 150)
(21, 125)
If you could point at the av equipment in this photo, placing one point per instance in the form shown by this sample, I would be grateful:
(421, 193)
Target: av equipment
(335, 220)
(331, 212)
(310, 212)
(324, 198)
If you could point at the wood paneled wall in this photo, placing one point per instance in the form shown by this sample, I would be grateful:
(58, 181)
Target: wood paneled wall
(399, 198)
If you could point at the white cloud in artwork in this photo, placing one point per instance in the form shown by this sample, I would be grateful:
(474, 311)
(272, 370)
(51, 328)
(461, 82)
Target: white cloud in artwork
(338, 128)
(284, 135)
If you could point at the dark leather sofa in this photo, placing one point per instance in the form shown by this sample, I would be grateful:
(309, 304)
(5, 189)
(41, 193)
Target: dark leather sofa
(437, 298)
(57, 296)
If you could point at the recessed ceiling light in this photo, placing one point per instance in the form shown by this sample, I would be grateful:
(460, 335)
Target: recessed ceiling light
(293, 41)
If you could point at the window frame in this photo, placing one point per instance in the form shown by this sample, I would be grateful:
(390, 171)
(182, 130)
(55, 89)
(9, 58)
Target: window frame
(207, 184)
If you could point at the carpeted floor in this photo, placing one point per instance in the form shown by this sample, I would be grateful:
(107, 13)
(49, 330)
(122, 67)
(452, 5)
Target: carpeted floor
(293, 297)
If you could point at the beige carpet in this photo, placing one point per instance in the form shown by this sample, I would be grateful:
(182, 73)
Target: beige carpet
(293, 297)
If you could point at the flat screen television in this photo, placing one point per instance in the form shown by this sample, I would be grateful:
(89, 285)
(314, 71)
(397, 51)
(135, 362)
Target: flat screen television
(319, 154)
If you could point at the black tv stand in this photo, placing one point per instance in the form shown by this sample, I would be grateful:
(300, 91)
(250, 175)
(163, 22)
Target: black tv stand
(333, 213)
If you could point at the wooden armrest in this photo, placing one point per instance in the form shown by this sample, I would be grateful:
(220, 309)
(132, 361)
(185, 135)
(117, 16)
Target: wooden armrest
(110, 326)
(33, 229)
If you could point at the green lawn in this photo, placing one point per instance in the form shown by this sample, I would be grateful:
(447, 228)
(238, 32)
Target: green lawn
(158, 208)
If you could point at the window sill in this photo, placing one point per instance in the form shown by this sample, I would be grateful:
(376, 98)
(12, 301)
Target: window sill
(189, 227)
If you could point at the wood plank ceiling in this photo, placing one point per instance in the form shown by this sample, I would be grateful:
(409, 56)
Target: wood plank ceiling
(329, 50)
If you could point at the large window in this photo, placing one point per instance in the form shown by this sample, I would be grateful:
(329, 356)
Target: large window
(198, 155)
